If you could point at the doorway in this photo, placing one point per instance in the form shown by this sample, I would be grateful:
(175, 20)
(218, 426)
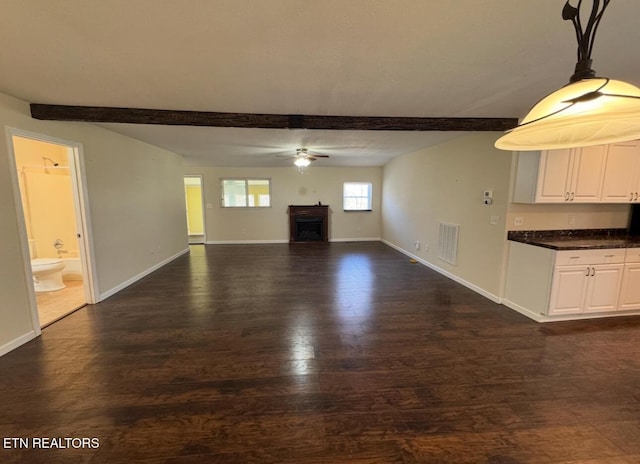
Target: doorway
(49, 184)
(195, 209)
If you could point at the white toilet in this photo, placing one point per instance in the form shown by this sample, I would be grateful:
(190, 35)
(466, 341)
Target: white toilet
(47, 272)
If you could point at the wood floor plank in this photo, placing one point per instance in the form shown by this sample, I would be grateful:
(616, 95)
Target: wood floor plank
(340, 353)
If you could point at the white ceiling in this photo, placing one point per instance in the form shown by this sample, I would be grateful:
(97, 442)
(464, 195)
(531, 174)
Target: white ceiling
(422, 58)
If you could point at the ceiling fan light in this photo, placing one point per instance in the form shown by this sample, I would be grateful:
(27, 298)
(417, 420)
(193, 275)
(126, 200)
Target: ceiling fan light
(589, 112)
(302, 162)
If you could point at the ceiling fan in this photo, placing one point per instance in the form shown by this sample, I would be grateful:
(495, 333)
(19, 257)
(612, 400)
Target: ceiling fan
(303, 158)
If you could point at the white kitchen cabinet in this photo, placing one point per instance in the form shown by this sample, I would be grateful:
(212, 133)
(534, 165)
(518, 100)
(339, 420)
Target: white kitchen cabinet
(579, 289)
(554, 176)
(561, 176)
(603, 288)
(621, 182)
(630, 289)
(549, 283)
(587, 174)
(568, 289)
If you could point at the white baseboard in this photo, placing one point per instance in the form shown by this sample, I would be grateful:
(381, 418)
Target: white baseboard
(568, 317)
(13, 344)
(455, 278)
(524, 311)
(243, 242)
(357, 239)
(251, 242)
(123, 285)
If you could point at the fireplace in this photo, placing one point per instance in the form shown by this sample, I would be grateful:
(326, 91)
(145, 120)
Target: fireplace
(308, 223)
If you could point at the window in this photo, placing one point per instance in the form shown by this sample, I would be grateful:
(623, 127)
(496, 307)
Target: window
(246, 193)
(357, 196)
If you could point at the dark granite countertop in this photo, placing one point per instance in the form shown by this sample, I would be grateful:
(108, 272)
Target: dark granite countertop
(586, 239)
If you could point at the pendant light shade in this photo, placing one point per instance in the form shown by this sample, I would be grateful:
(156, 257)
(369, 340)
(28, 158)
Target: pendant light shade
(590, 110)
(593, 111)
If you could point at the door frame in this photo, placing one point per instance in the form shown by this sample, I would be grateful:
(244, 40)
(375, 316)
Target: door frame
(204, 211)
(83, 222)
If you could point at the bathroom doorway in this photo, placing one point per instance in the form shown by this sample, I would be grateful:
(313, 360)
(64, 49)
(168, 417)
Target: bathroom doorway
(49, 182)
(195, 208)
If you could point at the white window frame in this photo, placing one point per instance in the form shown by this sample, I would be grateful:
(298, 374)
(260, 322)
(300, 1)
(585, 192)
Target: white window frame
(246, 181)
(368, 197)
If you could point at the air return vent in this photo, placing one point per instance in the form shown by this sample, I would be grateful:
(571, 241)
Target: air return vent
(448, 242)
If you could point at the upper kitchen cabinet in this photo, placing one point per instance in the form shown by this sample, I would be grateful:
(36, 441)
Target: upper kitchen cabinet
(561, 176)
(622, 173)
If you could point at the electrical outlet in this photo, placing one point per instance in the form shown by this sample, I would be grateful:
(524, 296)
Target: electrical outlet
(417, 244)
(518, 221)
(572, 219)
(494, 220)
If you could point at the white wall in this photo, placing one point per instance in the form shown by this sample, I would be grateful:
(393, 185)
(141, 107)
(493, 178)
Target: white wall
(136, 205)
(288, 187)
(446, 183)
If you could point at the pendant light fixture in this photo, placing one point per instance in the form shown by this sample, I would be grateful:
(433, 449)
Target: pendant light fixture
(590, 110)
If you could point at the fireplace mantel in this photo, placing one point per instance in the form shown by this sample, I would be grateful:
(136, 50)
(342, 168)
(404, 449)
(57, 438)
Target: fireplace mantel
(308, 223)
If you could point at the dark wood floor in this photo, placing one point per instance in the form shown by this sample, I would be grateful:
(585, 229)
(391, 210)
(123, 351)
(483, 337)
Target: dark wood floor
(346, 353)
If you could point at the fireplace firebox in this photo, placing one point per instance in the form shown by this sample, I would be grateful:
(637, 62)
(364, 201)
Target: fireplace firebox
(308, 223)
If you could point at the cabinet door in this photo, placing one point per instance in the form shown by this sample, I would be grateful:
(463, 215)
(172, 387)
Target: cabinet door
(620, 183)
(603, 288)
(630, 291)
(568, 289)
(587, 174)
(554, 176)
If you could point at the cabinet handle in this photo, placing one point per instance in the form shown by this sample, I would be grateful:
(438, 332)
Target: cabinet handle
(572, 196)
(631, 196)
(593, 271)
(609, 256)
(636, 198)
(566, 196)
(587, 274)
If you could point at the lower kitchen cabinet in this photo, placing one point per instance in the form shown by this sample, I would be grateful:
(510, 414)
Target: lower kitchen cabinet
(630, 291)
(568, 289)
(548, 283)
(579, 289)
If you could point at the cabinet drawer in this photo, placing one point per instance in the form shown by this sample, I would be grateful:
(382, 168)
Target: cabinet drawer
(633, 255)
(603, 256)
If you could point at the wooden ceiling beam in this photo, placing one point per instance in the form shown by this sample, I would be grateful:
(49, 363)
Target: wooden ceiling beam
(103, 114)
